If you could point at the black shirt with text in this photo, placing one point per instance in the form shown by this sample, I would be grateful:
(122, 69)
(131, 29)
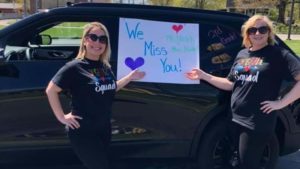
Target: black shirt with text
(92, 86)
(257, 77)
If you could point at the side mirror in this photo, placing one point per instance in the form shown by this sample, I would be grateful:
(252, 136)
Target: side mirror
(41, 40)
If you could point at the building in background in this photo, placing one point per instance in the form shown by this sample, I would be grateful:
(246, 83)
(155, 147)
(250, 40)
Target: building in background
(36, 5)
(10, 10)
(28, 7)
(247, 7)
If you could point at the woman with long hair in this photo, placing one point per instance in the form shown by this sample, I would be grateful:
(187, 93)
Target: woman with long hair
(92, 86)
(255, 79)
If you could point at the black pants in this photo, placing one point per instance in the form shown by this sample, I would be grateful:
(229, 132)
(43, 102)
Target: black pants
(251, 145)
(91, 148)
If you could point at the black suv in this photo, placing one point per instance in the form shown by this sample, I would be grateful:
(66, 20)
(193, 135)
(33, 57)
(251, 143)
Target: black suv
(150, 120)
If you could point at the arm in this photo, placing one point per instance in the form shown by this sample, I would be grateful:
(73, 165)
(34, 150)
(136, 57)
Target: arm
(292, 95)
(52, 92)
(219, 82)
(134, 75)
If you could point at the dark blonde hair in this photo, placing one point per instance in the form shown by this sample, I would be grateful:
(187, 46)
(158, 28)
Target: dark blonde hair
(105, 56)
(250, 23)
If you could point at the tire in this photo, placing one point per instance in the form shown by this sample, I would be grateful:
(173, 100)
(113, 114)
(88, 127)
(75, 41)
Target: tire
(216, 150)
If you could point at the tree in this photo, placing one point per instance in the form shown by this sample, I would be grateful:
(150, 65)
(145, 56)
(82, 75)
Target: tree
(216, 4)
(281, 5)
(161, 2)
(254, 3)
(200, 4)
(299, 10)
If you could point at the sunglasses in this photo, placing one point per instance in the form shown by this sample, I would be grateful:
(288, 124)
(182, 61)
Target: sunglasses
(102, 39)
(261, 30)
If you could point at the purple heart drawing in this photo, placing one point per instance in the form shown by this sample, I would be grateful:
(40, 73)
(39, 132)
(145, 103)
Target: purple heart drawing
(133, 64)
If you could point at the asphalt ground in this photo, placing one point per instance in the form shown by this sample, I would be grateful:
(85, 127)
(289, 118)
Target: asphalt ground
(292, 37)
(291, 161)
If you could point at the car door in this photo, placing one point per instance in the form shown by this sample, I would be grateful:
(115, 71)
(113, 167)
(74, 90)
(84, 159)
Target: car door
(26, 116)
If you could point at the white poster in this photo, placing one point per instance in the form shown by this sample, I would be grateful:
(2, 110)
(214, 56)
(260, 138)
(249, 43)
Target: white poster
(163, 50)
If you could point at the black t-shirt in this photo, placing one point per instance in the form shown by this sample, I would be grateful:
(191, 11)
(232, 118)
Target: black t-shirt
(257, 77)
(92, 86)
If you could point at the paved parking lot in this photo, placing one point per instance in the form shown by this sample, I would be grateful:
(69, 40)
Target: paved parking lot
(291, 161)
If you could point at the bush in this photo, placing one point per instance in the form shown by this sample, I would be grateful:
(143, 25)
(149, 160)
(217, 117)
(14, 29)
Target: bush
(282, 28)
(273, 14)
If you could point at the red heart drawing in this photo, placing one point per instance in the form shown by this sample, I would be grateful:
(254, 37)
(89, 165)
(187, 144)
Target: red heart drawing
(177, 28)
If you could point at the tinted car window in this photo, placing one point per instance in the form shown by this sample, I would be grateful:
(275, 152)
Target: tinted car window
(66, 33)
(219, 45)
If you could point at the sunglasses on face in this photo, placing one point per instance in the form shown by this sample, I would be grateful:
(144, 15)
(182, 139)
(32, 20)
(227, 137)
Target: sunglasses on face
(102, 39)
(261, 30)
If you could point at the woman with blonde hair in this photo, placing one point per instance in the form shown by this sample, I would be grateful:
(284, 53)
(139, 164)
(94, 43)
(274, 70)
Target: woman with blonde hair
(92, 85)
(255, 79)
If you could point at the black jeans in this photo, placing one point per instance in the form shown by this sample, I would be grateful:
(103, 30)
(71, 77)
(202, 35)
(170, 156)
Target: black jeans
(91, 147)
(251, 145)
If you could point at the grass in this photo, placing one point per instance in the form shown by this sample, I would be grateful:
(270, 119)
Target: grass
(67, 30)
(60, 32)
(294, 45)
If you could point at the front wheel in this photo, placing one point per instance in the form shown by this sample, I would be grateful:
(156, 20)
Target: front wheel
(216, 150)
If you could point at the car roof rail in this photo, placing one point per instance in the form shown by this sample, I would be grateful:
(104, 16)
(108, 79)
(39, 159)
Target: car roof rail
(141, 6)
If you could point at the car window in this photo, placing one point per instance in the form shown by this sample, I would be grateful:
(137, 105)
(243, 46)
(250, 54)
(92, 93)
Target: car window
(58, 42)
(219, 46)
(66, 33)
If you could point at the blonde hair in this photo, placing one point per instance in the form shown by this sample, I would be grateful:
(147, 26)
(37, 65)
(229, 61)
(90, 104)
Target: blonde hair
(250, 23)
(105, 56)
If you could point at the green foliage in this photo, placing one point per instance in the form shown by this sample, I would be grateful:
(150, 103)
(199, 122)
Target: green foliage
(161, 2)
(283, 29)
(273, 14)
(255, 3)
(207, 4)
(66, 30)
(215, 5)
(64, 33)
